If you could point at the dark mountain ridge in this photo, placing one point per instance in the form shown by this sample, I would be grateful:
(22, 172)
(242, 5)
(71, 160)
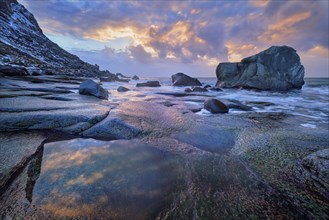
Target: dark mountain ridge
(22, 43)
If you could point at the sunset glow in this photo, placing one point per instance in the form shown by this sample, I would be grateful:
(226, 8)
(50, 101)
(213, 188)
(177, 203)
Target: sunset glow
(192, 36)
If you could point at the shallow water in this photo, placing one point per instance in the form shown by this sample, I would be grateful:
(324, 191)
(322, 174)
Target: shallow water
(311, 102)
(85, 177)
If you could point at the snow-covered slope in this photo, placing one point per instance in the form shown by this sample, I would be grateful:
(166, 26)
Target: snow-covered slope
(22, 43)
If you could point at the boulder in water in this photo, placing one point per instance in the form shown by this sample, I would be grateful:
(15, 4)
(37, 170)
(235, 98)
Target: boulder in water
(181, 79)
(89, 87)
(215, 106)
(277, 68)
(122, 89)
(135, 77)
(149, 84)
(13, 70)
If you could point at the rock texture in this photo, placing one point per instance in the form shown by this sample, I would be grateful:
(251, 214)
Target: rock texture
(13, 71)
(122, 89)
(277, 68)
(22, 43)
(215, 106)
(89, 87)
(181, 79)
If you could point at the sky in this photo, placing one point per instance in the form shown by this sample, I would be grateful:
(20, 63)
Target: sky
(160, 38)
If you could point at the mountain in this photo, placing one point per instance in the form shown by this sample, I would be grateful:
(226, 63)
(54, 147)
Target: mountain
(22, 43)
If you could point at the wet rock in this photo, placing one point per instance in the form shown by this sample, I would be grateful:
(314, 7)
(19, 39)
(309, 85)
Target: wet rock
(199, 89)
(89, 87)
(215, 106)
(187, 90)
(35, 73)
(277, 68)
(181, 79)
(207, 86)
(121, 75)
(122, 89)
(111, 129)
(135, 77)
(260, 104)
(16, 150)
(13, 71)
(149, 84)
(215, 89)
(235, 104)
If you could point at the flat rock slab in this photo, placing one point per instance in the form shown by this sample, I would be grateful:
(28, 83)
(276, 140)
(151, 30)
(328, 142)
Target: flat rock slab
(16, 149)
(208, 138)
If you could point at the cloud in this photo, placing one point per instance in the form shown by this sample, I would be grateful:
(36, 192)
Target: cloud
(188, 32)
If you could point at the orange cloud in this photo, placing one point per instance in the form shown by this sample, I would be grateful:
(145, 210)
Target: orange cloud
(236, 52)
(284, 28)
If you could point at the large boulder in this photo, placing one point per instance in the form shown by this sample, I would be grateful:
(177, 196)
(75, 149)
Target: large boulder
(277, 68)
(215, 106)
(89, 87)
(149, 84)
(180, 79)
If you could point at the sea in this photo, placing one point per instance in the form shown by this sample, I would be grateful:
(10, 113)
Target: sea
(311, 102)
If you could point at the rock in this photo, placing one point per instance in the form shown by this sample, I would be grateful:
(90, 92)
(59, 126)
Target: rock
(180, 79)
(17, 149)
(215, 89)
(111, 129)
(135, 77)
(277, 68)
(122, 89)
(317, 164)
(188, 90)
(149, 84)
(215, 106)
(89, 87)
(315, 172)
(35, 73)
(13, 70)
(207, 86)
(235, 104)
(199, 89)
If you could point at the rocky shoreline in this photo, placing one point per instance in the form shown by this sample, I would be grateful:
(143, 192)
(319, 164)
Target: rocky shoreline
(251, 165)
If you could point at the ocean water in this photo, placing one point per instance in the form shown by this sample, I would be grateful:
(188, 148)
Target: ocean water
(311, 102)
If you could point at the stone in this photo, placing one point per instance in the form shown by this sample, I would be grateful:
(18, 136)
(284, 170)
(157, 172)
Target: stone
(89, 87)
(135, 77)
(13, 70)
(215, 106)
(277, 68)
(122, 89)
(149, 84)
(187, 90)
(199, 89)
(215, 89)
(317, 164)
(16, 150)
(106, 79)
(122, 80)
(181, 79)
(111, 129)
(207, 86)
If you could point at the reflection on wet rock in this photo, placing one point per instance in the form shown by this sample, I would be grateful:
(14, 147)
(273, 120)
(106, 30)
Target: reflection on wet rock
(118, 179)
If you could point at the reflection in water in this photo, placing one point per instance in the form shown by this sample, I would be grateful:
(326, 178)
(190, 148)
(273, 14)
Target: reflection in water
(118, 179)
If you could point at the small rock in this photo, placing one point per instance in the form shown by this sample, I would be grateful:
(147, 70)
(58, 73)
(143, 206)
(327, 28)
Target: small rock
(149, 84)
(135, 77)
(13, 70)
(89, 87)
(216, 89)
(199, 89)
(122, 89)
(207, 86)
(122, 80)
(188, 90)
(35, 73)
(215, 106)
(180, 79)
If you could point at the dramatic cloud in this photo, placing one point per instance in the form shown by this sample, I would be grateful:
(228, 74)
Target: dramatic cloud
(193, 34)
